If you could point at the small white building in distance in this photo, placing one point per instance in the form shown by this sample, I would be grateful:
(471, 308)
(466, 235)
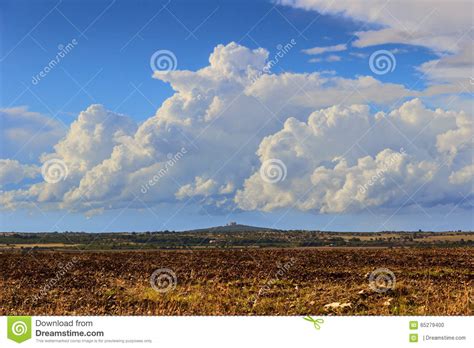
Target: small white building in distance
(232, 223)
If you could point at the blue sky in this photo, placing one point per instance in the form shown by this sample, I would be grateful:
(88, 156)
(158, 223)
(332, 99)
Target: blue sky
(110, 65)
(118, 45)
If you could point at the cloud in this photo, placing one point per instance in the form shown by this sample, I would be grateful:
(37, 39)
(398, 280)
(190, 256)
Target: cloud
(13, 172)
(92, 137)
(25, 134)
(89, 141)
(442, 26)
(407, 22)
(201, 187)
(333, 58)
(451, 68)
(299, 93)
(344, 159)
(359, 55)
(207, 142)
(330, 59)
(321, 50)
(209, 116)
(462, 176)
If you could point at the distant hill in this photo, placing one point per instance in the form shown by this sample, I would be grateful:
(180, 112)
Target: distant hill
(230, 236)
(233, 228)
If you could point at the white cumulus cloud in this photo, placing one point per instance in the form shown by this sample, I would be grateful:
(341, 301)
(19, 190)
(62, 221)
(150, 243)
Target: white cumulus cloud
(344, 159)
(208, 140)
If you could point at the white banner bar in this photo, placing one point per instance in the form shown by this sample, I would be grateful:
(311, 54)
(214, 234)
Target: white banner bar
(236, 332)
